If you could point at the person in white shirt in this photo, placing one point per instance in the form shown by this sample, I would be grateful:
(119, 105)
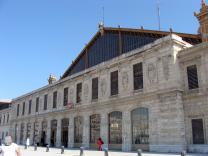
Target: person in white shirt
(28, 142)
(9, 148)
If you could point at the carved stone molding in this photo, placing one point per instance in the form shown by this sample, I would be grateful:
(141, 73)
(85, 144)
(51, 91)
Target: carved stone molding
(151, 73)
(103, 87)
(166, 68)
(86, 91)
(125, 80)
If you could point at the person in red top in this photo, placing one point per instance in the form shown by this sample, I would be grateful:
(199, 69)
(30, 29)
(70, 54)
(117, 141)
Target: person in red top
(100, 143)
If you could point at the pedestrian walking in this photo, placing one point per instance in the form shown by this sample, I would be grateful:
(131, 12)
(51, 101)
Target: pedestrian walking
(9, 148)
(28, 142)
(100, 143)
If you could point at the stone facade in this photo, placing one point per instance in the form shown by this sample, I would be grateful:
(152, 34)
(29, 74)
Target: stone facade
(5, 115)
(171, 105)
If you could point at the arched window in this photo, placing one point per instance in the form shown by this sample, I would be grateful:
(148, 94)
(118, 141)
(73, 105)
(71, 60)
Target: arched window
(78, 129)
(115, 127)
(140, 126)
(94, 128)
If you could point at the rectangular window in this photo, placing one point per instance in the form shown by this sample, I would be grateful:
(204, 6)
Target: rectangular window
(138, 76)
(94, 88)
(45, 102)
(65, 96)
(114, 83)
(55, 99)
(18, 109)
(23, 108)
(37, 104)
(30, 105)
(192, 77)
(79, 92)
(197, 131)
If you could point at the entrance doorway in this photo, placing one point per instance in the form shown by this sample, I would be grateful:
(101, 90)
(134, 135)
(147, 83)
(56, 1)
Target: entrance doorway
(53, 132)
(64, 132)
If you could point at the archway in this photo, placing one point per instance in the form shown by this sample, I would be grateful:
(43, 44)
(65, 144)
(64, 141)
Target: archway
(94, 130)
(78, 131)
(140, 128)
(64, 132)
(43, 134)
(53, 132)
(115, 130)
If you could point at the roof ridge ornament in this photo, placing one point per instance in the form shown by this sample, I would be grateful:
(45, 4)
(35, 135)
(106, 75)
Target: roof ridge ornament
(51, 79)
(101, 28)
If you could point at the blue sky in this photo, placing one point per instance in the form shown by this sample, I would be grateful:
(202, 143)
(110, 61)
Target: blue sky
(39, 37)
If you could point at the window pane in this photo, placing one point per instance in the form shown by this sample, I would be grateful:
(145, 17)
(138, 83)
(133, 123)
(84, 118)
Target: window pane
(30, 105)
(23, 108)
(140, 127)
(79, 92)
(95, 88)
(45, 101)
(114, 83)
(54, 99)
(37, 104)
(115, 128)
(94, 128)
(138, 76)
(192, 77)
(197, 131)
(65, 96)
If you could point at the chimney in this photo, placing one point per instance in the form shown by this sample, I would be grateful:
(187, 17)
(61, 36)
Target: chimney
(51, 79)
(202, 17)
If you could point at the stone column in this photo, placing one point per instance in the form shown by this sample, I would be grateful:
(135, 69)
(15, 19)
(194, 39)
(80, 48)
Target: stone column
(71, 132)
(126, 131)
(48, 140)
(104, 129)
(58, 133)
(86, 131)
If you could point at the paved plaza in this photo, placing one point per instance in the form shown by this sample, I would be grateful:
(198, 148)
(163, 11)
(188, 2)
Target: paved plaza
(75, 152)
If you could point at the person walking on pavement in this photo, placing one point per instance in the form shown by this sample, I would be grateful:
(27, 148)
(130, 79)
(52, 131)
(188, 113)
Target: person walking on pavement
(100, 143)
(28, 142)
(9, 148)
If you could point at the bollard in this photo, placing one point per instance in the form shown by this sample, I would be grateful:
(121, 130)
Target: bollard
(139, 152)
(62, 149)
(47, 148)
(105, 151)
(35, 147)
(183, 153)
(81, 151)
(25, 146)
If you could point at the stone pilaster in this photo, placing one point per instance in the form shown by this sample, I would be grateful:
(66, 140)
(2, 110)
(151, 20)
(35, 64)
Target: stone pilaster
(32, 133)
(104, 128)
(48, 140)
(126, 131)
(58, 133)
(71, 132)
(25, 134)
(18, 133)
(86, 131)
